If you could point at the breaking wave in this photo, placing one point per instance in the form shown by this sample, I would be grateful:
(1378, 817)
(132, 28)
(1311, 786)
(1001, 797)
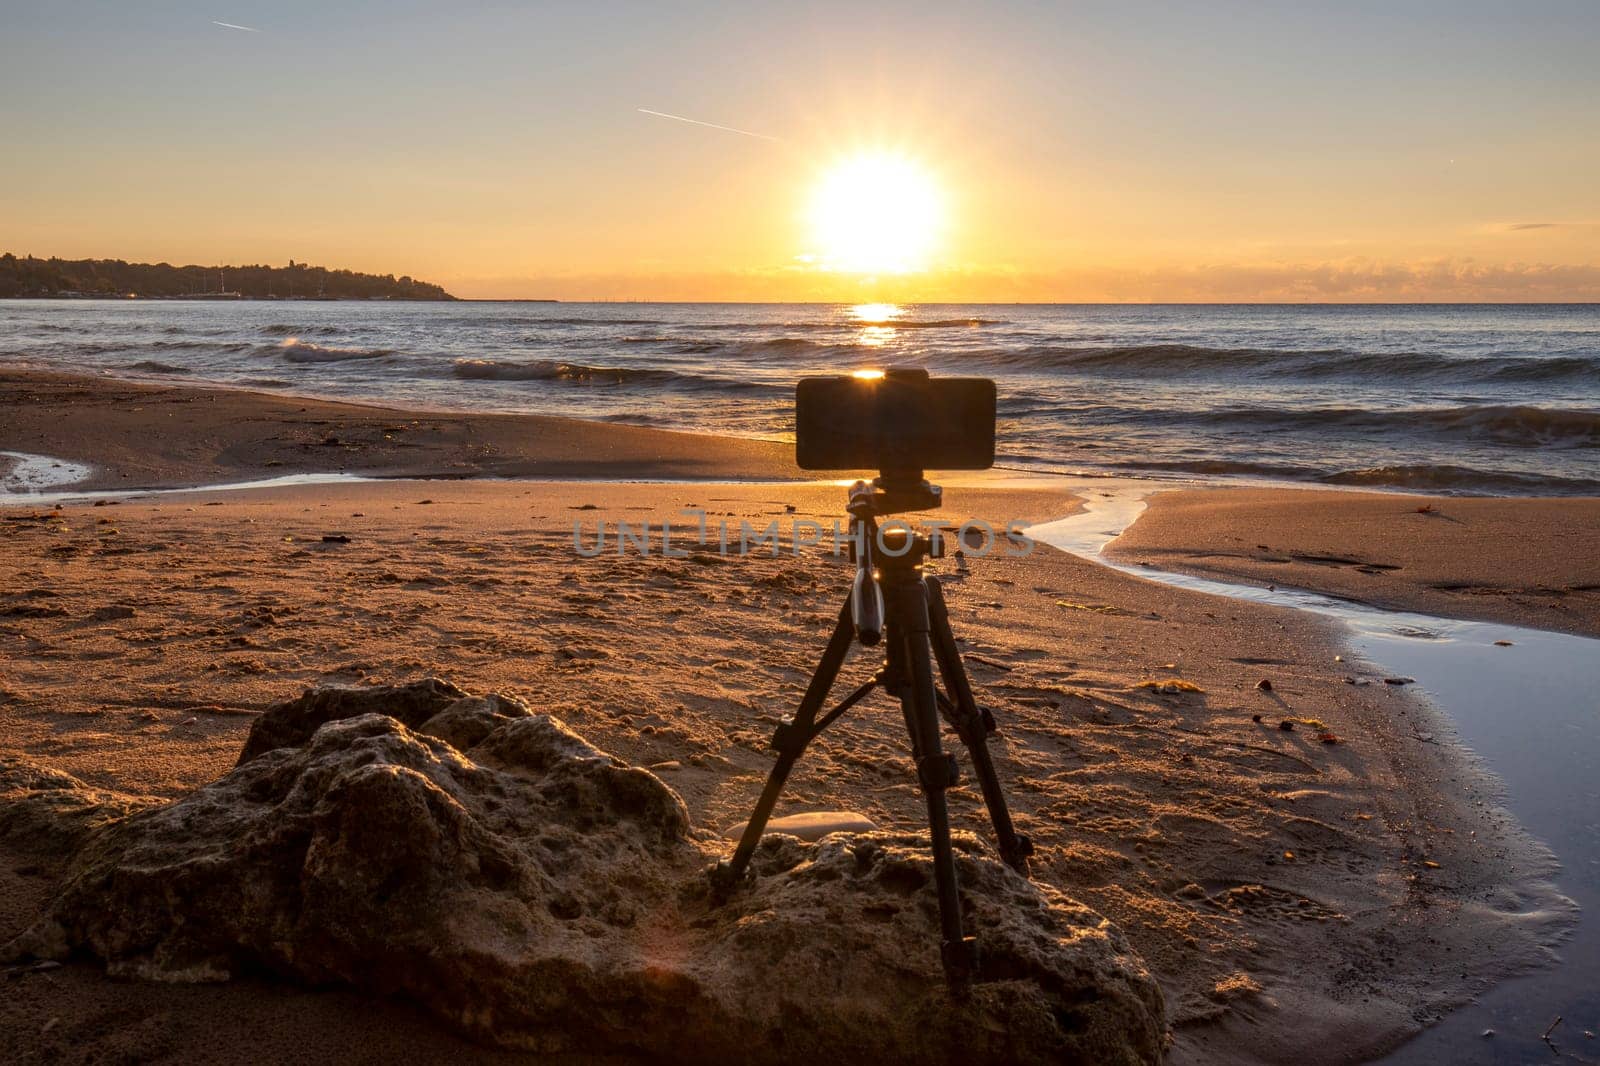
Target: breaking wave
(296, 350)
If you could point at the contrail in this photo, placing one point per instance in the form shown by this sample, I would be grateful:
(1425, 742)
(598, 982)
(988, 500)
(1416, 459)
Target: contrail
(232, 26)
(709, 125)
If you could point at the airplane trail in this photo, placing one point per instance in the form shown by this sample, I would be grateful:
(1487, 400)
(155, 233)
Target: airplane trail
(708, 125)
(235, 26)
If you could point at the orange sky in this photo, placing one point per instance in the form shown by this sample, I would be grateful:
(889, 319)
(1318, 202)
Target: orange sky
(1081, 152)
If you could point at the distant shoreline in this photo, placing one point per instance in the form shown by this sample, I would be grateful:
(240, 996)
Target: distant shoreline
(78, 279)
(85, 297)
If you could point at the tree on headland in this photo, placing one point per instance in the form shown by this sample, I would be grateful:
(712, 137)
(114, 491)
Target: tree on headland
(27, 276)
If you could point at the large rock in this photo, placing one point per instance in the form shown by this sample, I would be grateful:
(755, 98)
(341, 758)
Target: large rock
(44, 812)
(291, 724)
(530, 890)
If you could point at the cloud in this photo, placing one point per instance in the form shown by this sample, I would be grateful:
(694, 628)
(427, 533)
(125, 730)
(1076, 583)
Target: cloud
(1353, 281)
(1550, 225)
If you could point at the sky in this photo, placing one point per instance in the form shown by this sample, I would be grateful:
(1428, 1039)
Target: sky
(1077, 151)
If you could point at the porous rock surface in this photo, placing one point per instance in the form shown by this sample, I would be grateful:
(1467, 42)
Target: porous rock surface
(44, 811)
(530, 890)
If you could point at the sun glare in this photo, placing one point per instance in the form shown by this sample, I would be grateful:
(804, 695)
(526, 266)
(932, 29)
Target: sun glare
(876, 213)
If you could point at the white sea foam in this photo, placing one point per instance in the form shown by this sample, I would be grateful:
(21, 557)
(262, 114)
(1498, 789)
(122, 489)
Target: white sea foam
(24, 474)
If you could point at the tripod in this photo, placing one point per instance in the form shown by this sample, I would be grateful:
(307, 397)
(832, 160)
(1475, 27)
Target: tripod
(892, 601)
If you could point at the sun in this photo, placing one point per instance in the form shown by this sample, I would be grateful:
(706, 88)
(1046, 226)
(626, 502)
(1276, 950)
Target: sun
(876, 213)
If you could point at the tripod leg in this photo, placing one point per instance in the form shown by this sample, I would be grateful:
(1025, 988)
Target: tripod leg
(974, 727)
(790, 740)
(908, 621)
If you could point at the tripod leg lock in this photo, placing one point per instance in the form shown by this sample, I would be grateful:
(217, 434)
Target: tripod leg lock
(790, 739)
(938, 772)
(1017, 855)
(724, 883)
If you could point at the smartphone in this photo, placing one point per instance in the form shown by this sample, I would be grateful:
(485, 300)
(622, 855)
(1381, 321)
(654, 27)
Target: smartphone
(896, 420)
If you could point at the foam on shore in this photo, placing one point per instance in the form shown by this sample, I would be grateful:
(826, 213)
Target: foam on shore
(22, 473)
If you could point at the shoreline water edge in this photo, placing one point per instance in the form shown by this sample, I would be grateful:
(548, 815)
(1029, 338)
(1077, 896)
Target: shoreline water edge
(1432, 398)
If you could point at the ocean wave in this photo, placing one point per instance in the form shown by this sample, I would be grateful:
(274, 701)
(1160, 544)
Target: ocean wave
(1559, 368)
(296, 350)
(281, 329)
(553, 370)
(1443, 478)
(536, 320)
(579, 373)
(193, 345)
(151, 366)
(934, 323)
(1512, 426)
(1423, 477)
(590, 321)
(678, 346)
(753, 349)
(1182, 360)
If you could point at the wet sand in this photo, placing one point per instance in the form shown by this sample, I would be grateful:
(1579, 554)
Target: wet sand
(1530, 562)
(1315, 892)
(156, 436)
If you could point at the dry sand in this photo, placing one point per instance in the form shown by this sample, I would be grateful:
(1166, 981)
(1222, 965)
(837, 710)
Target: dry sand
(1299, 900)
(1531, 562)
(1283, 889)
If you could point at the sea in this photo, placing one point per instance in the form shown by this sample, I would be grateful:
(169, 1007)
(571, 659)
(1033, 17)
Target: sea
(1499, 399)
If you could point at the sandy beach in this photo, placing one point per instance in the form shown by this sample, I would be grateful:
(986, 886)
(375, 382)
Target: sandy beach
(154, 436)
(1530, 562)
(1303, 877)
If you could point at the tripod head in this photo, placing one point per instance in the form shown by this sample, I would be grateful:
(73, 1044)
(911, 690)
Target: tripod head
(893, 493)
(900, 551)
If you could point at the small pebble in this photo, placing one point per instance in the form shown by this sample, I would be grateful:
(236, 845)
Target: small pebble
(1264, 685)
(1487, 1032)
(1286, 725)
